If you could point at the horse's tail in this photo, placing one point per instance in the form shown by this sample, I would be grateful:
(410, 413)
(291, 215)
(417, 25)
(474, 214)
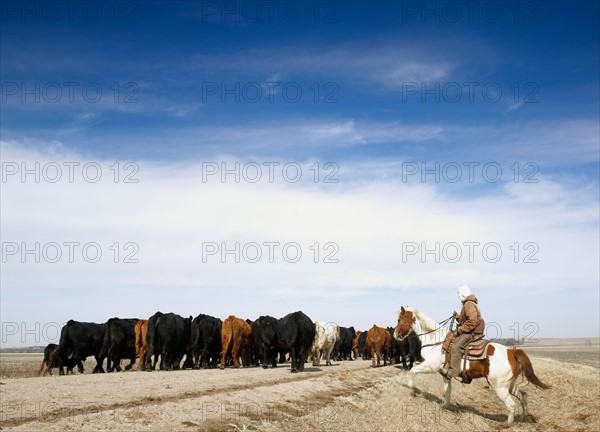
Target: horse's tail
(523, 367)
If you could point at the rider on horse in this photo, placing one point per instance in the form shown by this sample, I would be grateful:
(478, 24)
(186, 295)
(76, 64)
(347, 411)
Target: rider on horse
(470, 326)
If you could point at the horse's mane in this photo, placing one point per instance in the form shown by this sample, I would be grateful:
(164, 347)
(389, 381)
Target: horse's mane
(428, 325)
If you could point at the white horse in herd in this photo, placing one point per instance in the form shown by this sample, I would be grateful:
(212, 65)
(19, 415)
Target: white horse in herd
(504, 368)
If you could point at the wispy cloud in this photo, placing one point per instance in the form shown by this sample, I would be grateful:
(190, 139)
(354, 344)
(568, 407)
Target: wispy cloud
(386, 66)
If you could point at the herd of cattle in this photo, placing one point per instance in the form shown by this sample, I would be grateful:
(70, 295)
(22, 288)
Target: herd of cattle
(208, 342)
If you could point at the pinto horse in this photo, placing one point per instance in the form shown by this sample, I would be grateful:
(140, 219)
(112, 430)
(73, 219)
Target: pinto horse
(505, 369)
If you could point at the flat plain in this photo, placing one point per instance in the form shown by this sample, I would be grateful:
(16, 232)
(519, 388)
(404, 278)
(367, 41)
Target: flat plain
(350, 395)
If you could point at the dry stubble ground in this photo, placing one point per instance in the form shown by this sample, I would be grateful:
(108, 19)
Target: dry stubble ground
(349, 396)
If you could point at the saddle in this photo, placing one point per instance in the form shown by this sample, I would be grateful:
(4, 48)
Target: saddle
(476, 350)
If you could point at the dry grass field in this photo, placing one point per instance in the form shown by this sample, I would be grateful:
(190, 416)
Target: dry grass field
(349, 396)
(584, 351)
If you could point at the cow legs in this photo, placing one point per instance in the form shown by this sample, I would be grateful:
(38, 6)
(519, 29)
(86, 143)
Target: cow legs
(131, 363)
(150, 363)
(328, 358)
(165, 360)
(316, 356)
(265, 356)
(293, 359)
(142, 357)
(411, 362)
(43, 369)
(116, 364)
(235, 352)
(99, 368)
(301, 359)
(226, 341)
(189, 361)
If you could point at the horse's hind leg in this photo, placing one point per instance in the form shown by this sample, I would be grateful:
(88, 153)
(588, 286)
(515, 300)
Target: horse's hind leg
(524, 404)
(504, 395)
(522, 396)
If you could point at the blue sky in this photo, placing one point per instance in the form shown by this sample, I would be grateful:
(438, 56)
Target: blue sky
(385, 87)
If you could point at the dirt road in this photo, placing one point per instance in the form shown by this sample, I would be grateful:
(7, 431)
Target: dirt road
(346, 396)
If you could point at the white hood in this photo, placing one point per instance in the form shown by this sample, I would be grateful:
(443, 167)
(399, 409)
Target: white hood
(463, 292)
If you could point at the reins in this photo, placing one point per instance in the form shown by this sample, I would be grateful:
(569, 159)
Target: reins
(441, 325)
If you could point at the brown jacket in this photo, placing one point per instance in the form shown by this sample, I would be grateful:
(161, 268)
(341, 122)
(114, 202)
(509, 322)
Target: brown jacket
(470, 319)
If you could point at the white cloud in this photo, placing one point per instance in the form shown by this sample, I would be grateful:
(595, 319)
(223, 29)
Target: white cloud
(170, 213)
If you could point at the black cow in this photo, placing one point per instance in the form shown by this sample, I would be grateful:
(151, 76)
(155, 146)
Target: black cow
(264, 335)
(410, 347)
(171, 334)
(79, 340)
(362, 346)
(394, 353)
(206, 341)
(295, 333)
(119, 342)
(254, 354)
(153, 343)
(342, 350)
(50, 361)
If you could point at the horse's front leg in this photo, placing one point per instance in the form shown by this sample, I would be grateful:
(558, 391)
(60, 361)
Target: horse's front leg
(411, 382)
(422, 368)
(432, 365)
(447, 391)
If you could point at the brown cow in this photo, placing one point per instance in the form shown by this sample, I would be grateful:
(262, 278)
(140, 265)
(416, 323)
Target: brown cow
(355, 347)
(379, 342)
(140, 329)
(236, 338)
